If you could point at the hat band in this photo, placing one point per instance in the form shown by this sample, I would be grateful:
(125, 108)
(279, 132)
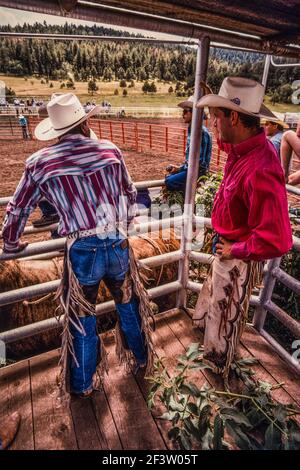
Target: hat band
(66, 127)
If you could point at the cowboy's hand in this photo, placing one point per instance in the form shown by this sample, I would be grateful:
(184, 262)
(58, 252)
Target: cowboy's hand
(169, 168)
(20, 247)
(223, 249)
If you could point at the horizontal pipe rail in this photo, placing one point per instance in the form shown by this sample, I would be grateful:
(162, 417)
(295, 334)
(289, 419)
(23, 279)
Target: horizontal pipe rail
(292, 324)
(46, 256)
(154, 184)
(281, 351)
(196, 287)
(29, 292)
(90, 11)
(138, 184)
(92, 37)
(293, 189)
(30, 229)
(51, 323)
(58, 244)
(201, 257)
(287, 280)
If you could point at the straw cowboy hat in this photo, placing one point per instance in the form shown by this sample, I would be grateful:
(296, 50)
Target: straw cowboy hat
(278, 121)
(189, 103)
(239, 94)
(65, 112)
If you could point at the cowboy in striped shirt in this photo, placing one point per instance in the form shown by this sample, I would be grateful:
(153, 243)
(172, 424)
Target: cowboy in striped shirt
(88, 184)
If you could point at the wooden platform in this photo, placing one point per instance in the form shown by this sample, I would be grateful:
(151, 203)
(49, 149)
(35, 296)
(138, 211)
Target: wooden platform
(117, 418)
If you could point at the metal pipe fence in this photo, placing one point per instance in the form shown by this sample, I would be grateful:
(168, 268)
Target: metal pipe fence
(141, 137)
(263, 302)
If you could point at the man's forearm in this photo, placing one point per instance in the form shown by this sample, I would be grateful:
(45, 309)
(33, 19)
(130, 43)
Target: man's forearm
(290, 143)
(294, 178)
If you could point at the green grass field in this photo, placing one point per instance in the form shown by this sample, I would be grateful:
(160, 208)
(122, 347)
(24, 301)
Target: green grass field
(30, 87)
(33, 87)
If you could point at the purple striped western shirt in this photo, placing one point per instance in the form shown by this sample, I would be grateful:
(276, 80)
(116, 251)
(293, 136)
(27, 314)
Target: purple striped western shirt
(85, 180)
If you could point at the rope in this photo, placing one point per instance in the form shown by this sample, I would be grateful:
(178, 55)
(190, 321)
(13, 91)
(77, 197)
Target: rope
(26, 303)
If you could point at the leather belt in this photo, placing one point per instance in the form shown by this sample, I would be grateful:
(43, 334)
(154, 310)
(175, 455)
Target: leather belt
(102, 230)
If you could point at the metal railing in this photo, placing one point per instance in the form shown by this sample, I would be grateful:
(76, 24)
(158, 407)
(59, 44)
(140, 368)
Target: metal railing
(262, 302)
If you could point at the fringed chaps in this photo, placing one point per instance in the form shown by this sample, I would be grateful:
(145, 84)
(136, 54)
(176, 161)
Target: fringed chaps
(124, 354)
(222, 309)
(73, 304)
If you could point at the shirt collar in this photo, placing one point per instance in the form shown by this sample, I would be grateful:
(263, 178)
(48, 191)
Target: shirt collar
(249, 144)
(65, 137)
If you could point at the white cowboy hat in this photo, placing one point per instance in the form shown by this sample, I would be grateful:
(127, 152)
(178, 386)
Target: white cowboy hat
(189, 103)
(65, 112)
(239, 94)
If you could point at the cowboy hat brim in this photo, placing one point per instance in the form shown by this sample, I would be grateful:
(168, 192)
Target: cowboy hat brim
(278, 121)
(186, 104)
(216, 101)
(45, 131)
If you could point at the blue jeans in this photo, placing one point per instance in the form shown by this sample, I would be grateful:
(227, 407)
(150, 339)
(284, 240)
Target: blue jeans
(94, 259)
(216, 239)
(143, 197)
(177, 181)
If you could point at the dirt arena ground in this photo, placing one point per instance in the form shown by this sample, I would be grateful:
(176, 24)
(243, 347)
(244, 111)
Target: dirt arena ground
(13, 155)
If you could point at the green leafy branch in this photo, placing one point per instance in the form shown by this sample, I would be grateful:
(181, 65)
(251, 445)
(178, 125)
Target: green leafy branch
(206, 418)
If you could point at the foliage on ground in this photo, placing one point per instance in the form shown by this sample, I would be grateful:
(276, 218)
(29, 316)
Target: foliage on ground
(202, 417)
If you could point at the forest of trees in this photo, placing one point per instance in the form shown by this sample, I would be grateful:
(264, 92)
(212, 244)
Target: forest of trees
(90, 60)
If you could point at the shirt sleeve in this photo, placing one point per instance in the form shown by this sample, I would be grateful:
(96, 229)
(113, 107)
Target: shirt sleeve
(205, 150)
(268, 218)
(18, 210)
(128, 188)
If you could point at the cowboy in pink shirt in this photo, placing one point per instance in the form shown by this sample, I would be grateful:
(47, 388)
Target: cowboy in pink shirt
(250, 217)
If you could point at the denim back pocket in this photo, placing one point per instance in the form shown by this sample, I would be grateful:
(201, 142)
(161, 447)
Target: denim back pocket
(83, 259)
(119, 257)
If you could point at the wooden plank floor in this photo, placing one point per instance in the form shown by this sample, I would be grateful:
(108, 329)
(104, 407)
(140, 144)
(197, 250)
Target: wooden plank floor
(118, 417)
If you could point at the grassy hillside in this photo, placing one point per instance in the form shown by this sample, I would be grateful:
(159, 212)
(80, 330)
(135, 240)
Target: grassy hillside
(33, 87)
(28, 87)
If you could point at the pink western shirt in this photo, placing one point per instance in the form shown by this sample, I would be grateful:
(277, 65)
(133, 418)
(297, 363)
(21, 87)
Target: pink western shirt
(251, 207)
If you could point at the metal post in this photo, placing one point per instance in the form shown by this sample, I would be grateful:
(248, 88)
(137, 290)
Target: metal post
(150, 136)
(266, 71)
(193, 168)
(123, 132)
(167, 140)
(184, 142)
(266, 294)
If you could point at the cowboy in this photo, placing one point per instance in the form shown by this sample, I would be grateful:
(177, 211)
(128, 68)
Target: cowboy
(274, 131)
(290, 143)
(49, 213)
(88, 184)
(176, 180)
(250, 217)
(23, 124)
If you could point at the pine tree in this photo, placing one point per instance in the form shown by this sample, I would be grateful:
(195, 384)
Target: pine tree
(92, 87)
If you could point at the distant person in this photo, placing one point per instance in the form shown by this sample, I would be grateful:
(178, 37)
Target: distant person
(290, 143)
(24, 127)
(17, 106)
(274, 131)
(176, 180)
